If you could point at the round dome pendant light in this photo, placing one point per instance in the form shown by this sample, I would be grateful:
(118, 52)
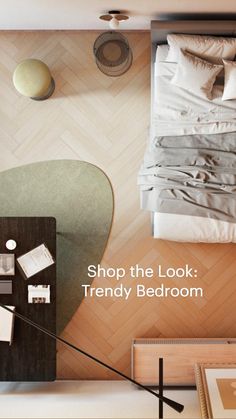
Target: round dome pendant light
(112, 53)
(114, 17)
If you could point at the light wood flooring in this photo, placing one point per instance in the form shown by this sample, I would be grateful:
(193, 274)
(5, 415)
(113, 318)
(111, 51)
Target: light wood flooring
(105, 121)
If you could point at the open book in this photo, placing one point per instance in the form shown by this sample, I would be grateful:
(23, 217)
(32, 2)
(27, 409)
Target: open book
(35, 261)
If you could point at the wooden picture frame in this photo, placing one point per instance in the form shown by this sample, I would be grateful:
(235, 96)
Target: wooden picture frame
(216, 385)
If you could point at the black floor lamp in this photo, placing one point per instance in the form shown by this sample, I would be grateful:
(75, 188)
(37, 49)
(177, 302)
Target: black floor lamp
(174, 405)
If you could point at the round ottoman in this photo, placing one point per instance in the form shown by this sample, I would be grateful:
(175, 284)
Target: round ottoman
(33, 79)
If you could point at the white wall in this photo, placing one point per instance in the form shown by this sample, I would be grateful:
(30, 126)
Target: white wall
(83, 14)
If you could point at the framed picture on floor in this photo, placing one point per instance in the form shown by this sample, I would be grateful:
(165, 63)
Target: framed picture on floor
(216, 385)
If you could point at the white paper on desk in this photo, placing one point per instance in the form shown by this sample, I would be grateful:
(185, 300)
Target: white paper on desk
(35, 261)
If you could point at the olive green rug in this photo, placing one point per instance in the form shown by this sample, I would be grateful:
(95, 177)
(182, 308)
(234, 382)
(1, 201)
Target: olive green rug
(80, 197)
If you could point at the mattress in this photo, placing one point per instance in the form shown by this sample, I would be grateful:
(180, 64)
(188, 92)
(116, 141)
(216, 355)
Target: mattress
(178, 117)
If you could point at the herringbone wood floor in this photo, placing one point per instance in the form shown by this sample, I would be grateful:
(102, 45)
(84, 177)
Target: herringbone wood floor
(105, 121)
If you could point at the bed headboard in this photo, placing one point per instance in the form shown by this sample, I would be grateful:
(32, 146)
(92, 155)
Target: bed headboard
(160, 28)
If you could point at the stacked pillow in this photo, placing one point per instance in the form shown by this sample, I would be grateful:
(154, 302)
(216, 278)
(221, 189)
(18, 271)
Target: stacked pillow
(199, 60)
(230, 80)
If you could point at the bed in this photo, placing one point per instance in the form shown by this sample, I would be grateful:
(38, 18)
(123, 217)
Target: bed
(188, 176)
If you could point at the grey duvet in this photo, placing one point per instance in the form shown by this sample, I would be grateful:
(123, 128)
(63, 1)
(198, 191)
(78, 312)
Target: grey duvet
(193, 175)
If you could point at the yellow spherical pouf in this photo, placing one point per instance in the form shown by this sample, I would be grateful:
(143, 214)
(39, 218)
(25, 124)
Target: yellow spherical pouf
(33, 79)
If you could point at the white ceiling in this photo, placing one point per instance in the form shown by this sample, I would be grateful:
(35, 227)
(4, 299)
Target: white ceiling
(83, 14)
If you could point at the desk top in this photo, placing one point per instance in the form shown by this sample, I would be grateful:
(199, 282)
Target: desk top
(32, 355)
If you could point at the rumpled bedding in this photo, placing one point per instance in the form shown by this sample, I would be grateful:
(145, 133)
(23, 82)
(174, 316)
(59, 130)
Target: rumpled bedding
(188, 176)
(192, 175)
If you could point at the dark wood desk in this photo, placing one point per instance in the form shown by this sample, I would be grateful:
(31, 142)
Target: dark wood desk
(32, 355)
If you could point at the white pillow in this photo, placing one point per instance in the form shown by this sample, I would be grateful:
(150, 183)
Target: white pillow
(162, 52)
(230, 80)
(196, 75)
(211, 48)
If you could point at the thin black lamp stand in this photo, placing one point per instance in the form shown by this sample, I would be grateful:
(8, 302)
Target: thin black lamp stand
(173, 404)
(161, 388)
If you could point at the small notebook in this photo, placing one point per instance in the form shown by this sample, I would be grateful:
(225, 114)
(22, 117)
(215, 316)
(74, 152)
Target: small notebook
(5, 287)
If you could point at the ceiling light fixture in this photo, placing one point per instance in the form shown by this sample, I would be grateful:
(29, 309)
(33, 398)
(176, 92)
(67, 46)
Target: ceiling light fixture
(114, 17)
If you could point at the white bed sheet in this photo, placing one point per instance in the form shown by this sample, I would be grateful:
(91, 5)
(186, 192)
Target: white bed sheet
(178, 112)
(186, 228)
